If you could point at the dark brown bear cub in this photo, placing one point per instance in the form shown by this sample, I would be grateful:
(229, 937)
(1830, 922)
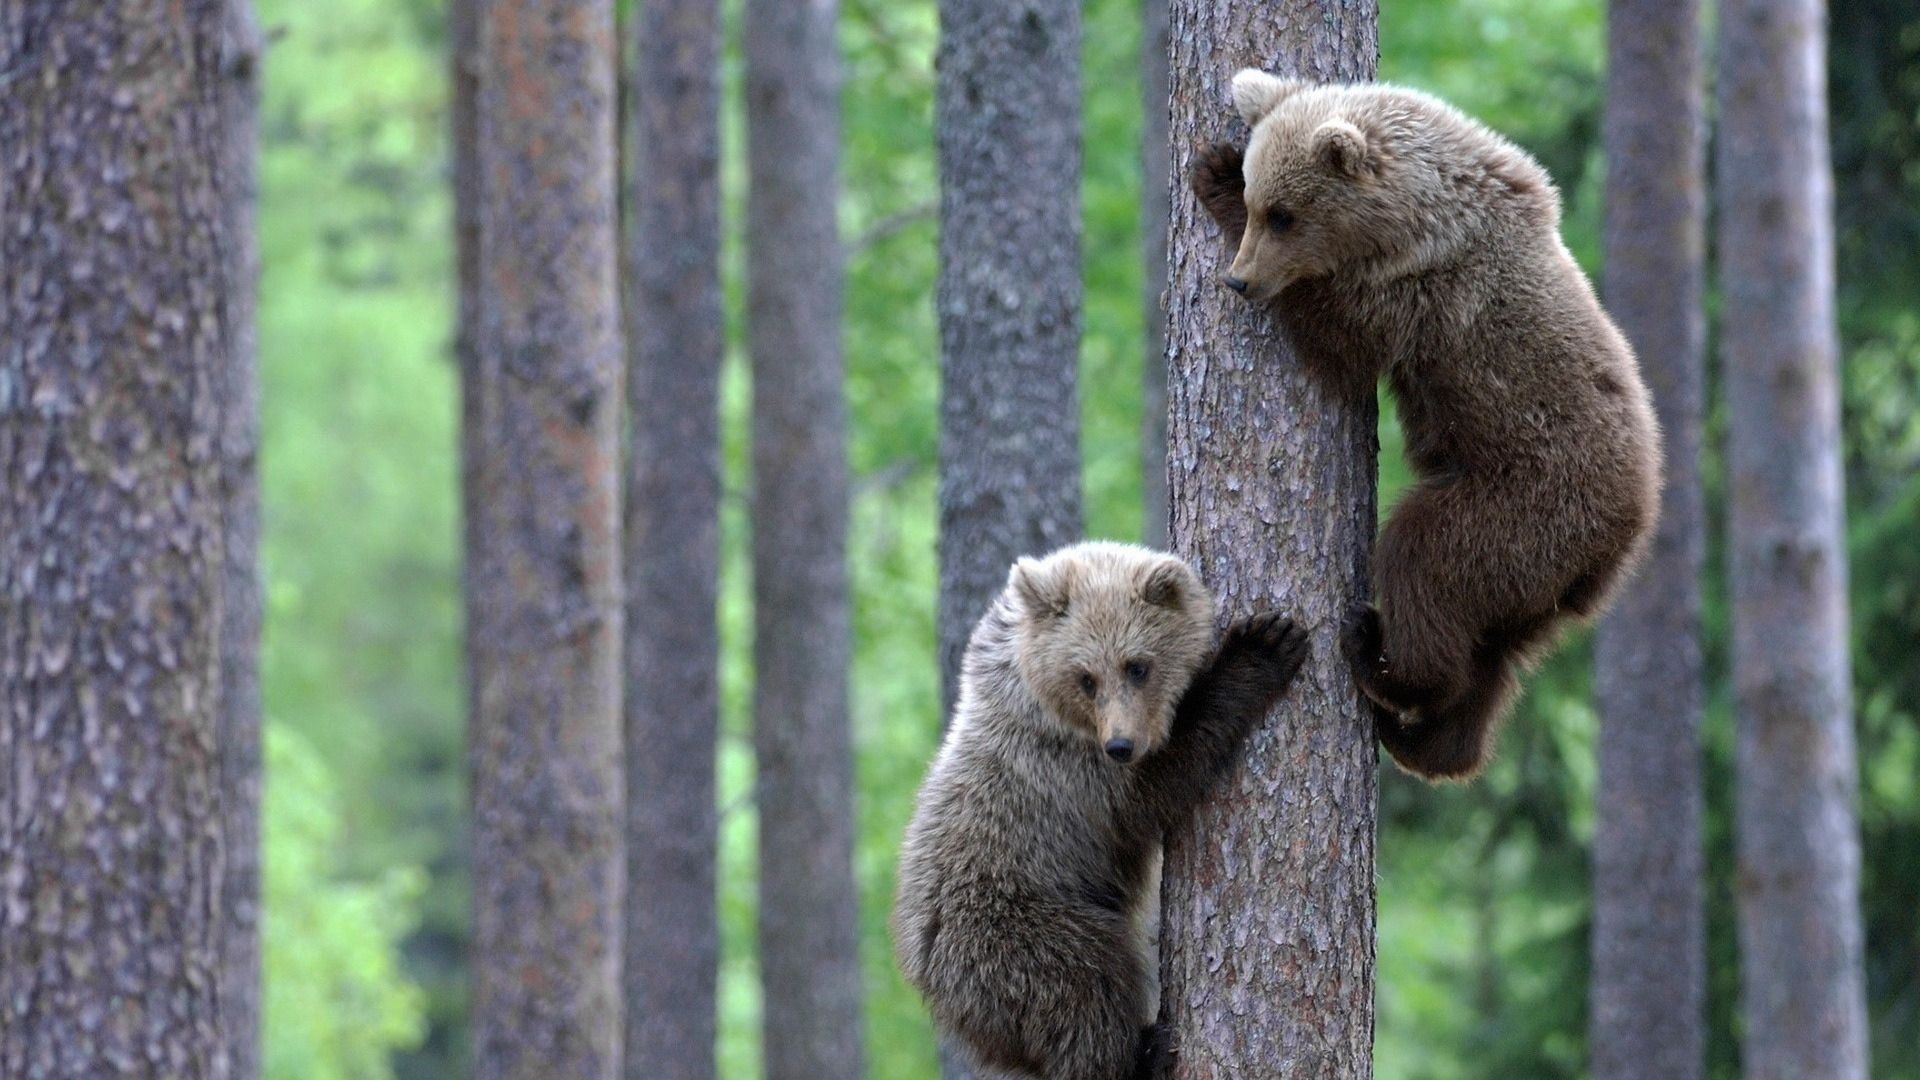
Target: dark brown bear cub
(1392, 235)
(1094, 712)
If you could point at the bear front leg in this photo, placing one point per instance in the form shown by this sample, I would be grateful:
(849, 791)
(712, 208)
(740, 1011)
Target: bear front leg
(1256, 663)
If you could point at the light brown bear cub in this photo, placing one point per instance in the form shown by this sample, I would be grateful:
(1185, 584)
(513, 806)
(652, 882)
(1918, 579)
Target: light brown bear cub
(1394, 236)
(1094, 712)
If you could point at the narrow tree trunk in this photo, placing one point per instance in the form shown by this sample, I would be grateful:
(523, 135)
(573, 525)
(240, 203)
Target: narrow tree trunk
(672, 543)
(1799, 845)
(1649, 920)
(543, 586)
(1155, 209)
(240, 613)
(1007, 111)
(113, 357)
(1267, 948)
(809, 929)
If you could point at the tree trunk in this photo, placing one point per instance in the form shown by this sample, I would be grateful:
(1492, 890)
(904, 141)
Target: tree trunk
(1649, 919)
(113, 361)
(809, 928)
(239, 734)
(1798, 842)
(543, 586)
(1267, 946)
(676, 344)
(1154, 211)
(1007, 110)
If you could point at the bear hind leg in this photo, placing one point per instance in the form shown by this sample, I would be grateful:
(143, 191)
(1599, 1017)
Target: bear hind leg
(1455, 741)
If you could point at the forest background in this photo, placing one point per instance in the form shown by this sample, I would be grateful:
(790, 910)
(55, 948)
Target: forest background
(1484, 890)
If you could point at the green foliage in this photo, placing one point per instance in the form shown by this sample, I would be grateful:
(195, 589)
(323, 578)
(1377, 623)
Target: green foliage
(361, 658)
(337, 1002)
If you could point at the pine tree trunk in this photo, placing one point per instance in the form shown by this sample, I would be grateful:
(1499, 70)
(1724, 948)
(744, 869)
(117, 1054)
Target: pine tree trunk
(113, 359)
(543, 586)
(1798, 842)
(672, 543)
(809, 928)
(1649, 934)
(240, 613)
(1007, 110)
(1154, 211)
(1267, 947)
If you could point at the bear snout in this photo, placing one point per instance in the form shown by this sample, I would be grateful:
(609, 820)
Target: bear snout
(1120, 750)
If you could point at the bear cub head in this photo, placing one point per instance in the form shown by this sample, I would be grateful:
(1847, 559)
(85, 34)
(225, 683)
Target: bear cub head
(1370, 179)
(1109, 637)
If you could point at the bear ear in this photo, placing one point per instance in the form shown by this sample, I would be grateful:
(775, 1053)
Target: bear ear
(1044, 592)
(1165, 585)
(1342, 148)
(1256, 92)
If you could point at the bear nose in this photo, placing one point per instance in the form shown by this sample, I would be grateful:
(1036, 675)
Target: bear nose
(1120, 750)
(1235, 284)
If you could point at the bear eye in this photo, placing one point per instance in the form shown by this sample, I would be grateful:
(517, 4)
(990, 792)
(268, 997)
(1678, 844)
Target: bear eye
(1279, 219)
(1088, 684)
(1138, 670)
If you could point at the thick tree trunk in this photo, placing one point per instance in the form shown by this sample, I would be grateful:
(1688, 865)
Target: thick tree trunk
(113, 358)
(1649, 919)
(1007, 111)
(1799, 845)
(240, 611)
(1267, 947)
(672, 543)
(809, 929)
(543, 586)
(1007, 114)
(1154, 212)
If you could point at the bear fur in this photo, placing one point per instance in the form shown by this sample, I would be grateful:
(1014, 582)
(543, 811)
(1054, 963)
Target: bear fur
(1392, 235)
(1028, 880)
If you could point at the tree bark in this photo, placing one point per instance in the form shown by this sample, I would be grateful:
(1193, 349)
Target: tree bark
(676, 343)
(1007, 112)
(809, 928)
(1798, 841)
(1155, 209)
(1649, 918)
(113, 357)
(239, 736)
(1154, 212)
(1008, 297)
(1267, 947)
(543, 586)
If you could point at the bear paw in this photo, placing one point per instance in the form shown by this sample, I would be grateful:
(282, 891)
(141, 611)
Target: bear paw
(1156, 1053)
(1221, 186)
(1269, 641)
(1360, 640)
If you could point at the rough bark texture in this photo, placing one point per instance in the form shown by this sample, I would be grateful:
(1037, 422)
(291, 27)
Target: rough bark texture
(1649, 935)
(672, 542)
(1007, 109)
(543, 586)
(239, 737)
(1008, 114)
(1154, 211)
(1798, 841)
(113, 354)
(809, 930)
(1267, 935)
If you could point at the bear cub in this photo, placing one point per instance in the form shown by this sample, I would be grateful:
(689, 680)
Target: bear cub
(1392, 235)
(1094, 712)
